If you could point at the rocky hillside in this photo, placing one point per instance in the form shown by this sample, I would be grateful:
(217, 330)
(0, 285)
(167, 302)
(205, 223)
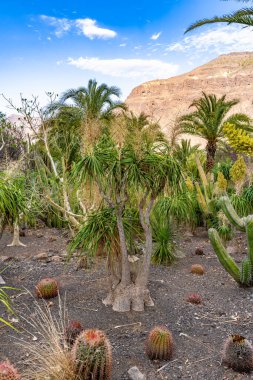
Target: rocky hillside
(166, 99)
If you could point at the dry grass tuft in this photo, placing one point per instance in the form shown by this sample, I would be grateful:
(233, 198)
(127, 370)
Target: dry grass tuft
(48, 357)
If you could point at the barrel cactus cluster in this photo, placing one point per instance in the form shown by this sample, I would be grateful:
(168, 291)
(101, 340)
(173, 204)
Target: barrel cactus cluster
(238, 354)
(8, 371)
(92, 355)
(47, 288)
(197, 269)
(72, 330)
(159, 344)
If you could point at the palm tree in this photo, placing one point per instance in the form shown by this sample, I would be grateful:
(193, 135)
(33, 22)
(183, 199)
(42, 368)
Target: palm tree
(243, 16)
(93, 102)
(91, 107)
(208, 120)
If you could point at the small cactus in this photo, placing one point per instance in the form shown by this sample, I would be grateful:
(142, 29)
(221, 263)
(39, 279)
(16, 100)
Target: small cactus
(194, 298)
(8, 372)
(47, 288)
(197, 269)
(238, 354)
(92, 355)
(199, 252)
(159, 344)
(73, 329)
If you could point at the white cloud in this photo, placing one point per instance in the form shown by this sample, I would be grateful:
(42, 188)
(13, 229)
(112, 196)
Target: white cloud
(86, 26)
(222, 39)
(155, 36)
(90, 29)
(144, 69)
(62, 25)
(122, 45)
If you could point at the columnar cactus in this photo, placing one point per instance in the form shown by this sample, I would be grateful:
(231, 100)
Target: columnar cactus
(72, 330)
(243, 276)
(238, 354)
(159, 344)
(8, 372)
(92, 355)
(47, 288)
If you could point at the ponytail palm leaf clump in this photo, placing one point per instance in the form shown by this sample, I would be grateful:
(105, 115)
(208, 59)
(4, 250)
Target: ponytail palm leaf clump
(129, 178)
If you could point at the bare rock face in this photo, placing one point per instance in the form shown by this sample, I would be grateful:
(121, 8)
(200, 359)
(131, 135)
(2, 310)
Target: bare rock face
(167, 99)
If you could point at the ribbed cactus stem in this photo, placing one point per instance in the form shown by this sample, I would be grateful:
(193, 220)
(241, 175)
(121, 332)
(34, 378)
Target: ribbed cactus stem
(249, 231)
(245, 278)
(224, 258)
(231, 214)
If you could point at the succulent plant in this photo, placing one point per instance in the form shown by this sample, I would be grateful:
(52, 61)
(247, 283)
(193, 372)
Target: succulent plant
(47, 288)
(238, 354)
(159, 344)
(92, 355)
(8, 372)
(194, 298)
(72, 330)
(243, 276)
(199, 252)
(197, 269)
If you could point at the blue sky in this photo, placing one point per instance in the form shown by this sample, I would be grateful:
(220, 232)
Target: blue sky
(54, 45)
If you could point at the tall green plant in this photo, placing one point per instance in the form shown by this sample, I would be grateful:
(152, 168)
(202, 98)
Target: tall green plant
(243, 276)
(208, 120)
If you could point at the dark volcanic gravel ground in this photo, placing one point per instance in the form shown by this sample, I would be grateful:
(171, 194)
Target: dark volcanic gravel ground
(199, 330)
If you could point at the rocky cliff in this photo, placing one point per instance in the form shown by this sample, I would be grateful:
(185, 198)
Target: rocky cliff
(166, 99)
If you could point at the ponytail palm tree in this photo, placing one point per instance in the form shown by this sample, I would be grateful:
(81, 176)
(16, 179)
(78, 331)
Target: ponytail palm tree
(243, 17)
(208, 119)
(127, 177)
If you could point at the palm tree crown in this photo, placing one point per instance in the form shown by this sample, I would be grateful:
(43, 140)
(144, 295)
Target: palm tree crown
(243, 16)
(94, 101)
(208, 120)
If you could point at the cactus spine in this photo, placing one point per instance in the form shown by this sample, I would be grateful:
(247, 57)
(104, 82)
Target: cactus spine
(238, 354)
(92, 355)
(8, 372)
(243, 276)
(159, 344)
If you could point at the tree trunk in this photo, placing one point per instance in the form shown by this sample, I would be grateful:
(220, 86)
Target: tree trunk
(211, 148)
(131, 293)
(131, 297)
(16, 242)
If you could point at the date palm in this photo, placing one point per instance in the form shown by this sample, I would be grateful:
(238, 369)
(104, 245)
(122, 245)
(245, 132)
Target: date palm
(93, 102)
(91, 107)
(242, 16)
(208, 119)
